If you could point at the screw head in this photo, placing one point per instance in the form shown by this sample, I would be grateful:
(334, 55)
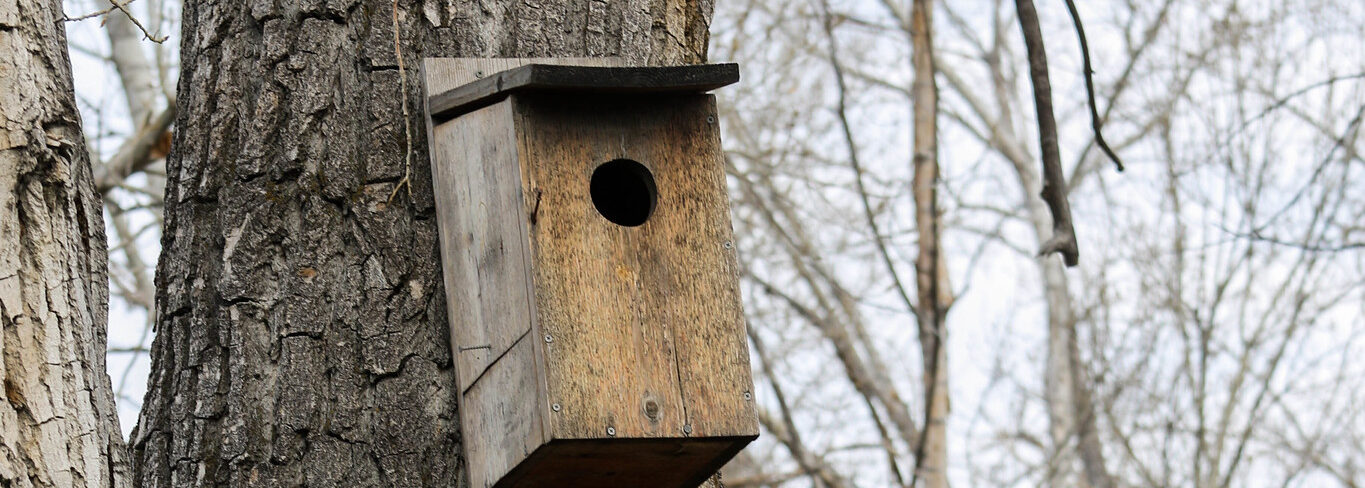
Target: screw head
(611, 431)
(549, 339)
(555, 407)
(687, 428)
(729, 245)
(748, 396)
(710, 119)
(478, 74)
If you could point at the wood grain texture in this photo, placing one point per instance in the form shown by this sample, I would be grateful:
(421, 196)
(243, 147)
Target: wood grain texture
(503, 416)
(483, 236)
(639, 312)
(444, 74)
(468, 155)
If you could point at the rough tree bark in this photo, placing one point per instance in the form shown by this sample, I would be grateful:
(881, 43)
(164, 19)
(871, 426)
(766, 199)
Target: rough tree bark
(302, 334)
(58, 426)
(931, 273)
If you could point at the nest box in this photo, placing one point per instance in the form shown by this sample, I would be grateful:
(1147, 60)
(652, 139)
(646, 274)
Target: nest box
(590, 272)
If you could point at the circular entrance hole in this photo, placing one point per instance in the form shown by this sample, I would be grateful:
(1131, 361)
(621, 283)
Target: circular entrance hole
(623, 191)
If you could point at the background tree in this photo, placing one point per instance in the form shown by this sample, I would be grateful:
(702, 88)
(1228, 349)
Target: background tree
(1052, 367)
(58, 426)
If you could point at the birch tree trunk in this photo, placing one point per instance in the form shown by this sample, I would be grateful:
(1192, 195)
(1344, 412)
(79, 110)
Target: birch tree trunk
(58, 426)
(934, 290)
(1072, 422)
(301, 326)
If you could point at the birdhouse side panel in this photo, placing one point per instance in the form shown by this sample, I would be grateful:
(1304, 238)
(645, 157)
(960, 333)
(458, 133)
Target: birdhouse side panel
(501, 417)
(484, 251)
(645, 334)
(485, 259)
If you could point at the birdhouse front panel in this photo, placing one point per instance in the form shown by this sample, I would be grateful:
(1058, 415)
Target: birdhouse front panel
(635, 272)
(591, 277)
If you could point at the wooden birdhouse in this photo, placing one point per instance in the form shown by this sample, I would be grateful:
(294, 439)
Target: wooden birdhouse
(590, 272)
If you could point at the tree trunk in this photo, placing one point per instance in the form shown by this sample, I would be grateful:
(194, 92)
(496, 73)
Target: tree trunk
(1073, 426)
(302, 329)
(1058, 390)
(934, 291)
(58, 426)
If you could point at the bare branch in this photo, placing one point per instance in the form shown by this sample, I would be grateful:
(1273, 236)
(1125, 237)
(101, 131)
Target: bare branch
(122, 7)
(133, 156)
(1063, 240)
(1095, 121)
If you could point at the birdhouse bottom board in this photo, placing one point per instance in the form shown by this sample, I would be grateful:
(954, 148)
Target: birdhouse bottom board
(593, 290)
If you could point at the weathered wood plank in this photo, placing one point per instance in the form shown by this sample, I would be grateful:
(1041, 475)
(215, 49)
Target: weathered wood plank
(502, 415)
(641, 313)
(697, 260)
(443, 74)
(483, 238)
(548, 77)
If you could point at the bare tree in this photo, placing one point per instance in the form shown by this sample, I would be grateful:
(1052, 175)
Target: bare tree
(1087, 385)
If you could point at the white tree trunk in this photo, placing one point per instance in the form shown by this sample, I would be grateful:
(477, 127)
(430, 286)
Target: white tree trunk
(58, 426)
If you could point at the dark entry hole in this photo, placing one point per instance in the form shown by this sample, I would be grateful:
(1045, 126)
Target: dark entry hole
(623, 191)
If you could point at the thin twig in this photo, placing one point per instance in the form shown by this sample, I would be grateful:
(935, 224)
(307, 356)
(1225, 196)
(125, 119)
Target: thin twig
(1282, 101)
(855, 163)
(92, 15)
(887, 444)
(145, 34)
(793, 438)
(120, 6)
(407, 117)
(1095, 122)
(1257, 236)
(1339, 143)
(1063, 240)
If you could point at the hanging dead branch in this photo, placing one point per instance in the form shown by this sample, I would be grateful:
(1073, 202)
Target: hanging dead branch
(1063, 240)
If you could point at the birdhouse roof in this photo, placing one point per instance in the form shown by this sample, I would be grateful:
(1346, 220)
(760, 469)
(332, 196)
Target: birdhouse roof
(561, 78)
